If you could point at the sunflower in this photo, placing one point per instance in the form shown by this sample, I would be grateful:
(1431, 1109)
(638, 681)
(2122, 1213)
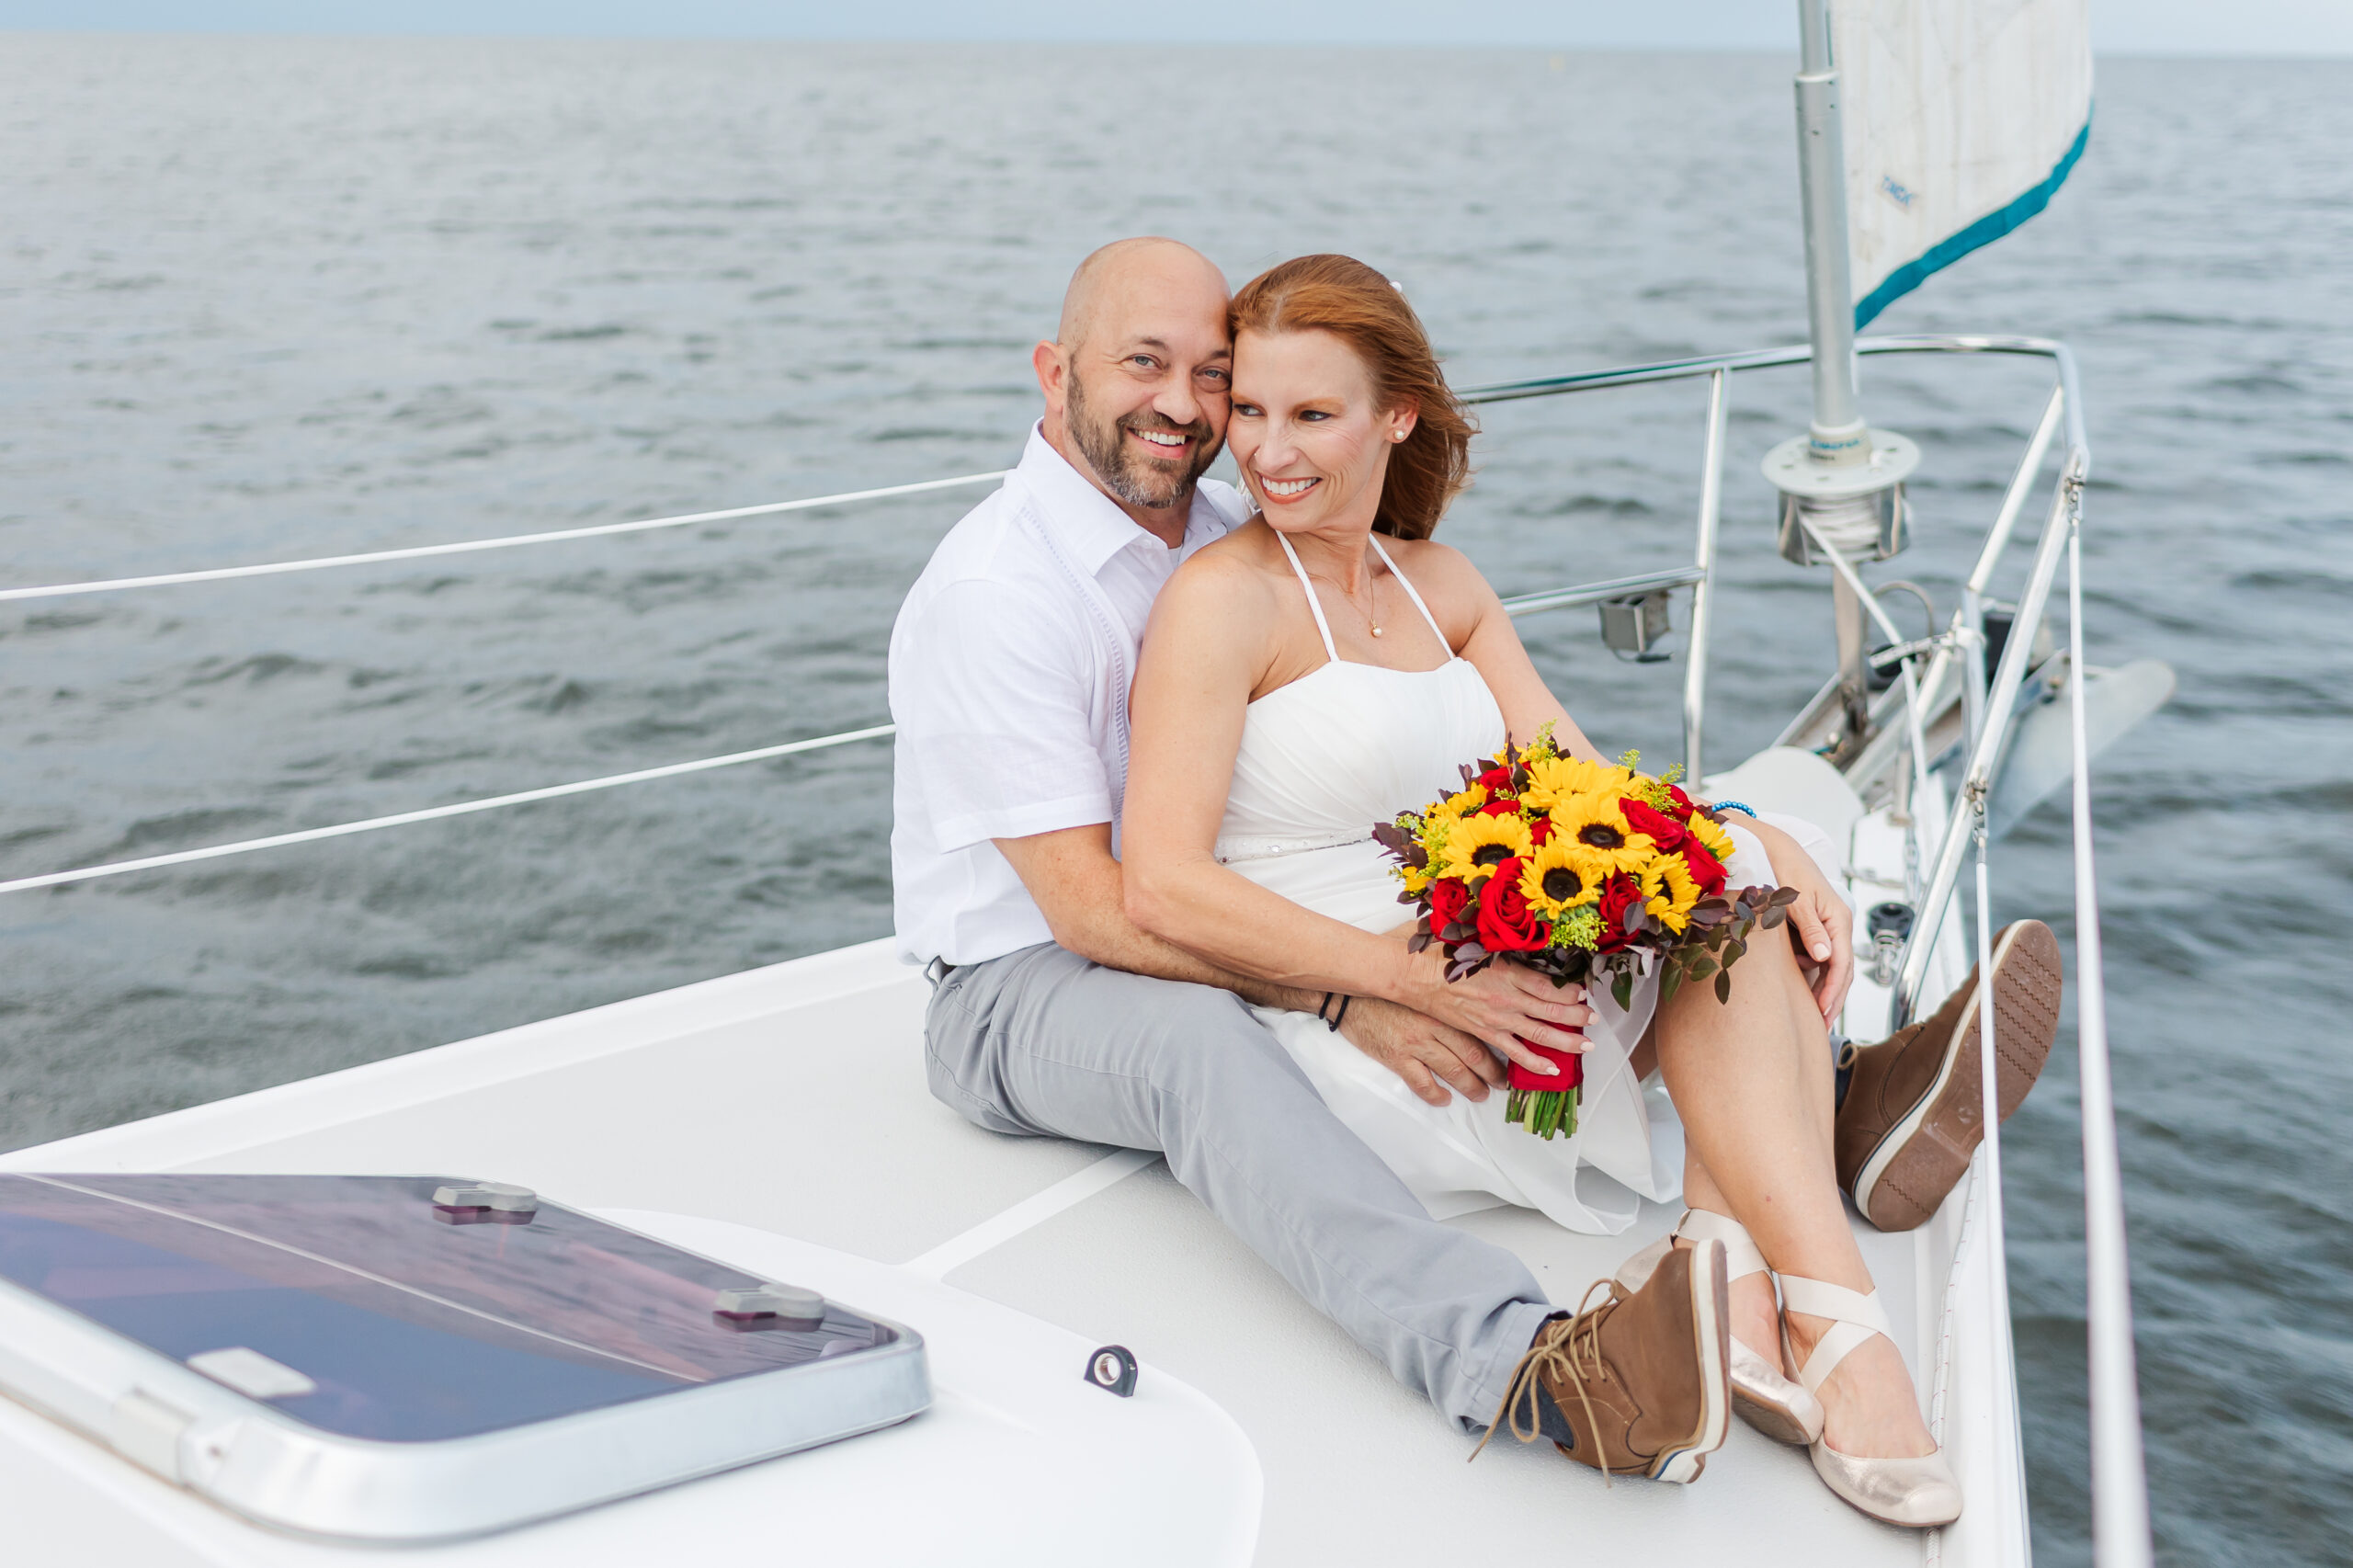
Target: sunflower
(1476, 844)
(1594, 824)
(1555, 779)
(1463, 804)
(1669, 893)
(1713, 838)
(1553, 880)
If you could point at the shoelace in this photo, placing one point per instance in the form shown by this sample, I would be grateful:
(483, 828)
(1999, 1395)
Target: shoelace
(1558, 1352)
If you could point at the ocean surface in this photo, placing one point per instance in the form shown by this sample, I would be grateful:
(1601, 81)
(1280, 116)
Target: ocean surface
(262, 299)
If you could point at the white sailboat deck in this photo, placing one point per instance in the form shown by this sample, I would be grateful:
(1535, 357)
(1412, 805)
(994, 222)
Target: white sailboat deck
(779, 1119)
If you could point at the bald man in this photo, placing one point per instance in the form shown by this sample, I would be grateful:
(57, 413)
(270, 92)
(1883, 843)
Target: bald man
(1052, 1015)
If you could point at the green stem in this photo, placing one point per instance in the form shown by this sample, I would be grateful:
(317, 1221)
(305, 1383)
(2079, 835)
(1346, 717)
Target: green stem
(1547, 1113)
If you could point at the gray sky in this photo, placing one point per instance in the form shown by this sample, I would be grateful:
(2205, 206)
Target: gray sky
(2165, 27)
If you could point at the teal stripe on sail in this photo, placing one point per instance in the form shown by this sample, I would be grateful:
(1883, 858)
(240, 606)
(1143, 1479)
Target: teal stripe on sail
(1984, 232)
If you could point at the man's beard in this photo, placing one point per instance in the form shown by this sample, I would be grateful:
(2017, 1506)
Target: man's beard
(1132, 476)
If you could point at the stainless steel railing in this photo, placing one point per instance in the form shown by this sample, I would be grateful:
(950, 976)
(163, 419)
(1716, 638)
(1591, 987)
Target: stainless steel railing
(2120, 1485)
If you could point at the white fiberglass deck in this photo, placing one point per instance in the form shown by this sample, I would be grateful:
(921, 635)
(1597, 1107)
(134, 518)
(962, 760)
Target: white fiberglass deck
(779, 1118)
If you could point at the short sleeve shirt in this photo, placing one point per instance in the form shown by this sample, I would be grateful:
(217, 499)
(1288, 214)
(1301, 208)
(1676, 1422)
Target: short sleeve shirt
(1010, 664)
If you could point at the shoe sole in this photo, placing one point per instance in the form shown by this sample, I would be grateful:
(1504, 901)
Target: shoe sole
(1923, 1155)
(1771, 1420)
(1711, 1321)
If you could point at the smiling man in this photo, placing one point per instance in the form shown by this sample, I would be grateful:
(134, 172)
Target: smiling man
(1133, 326)
(1052, 1014)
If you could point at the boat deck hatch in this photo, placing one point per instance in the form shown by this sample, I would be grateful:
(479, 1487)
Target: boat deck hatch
(495, 1355)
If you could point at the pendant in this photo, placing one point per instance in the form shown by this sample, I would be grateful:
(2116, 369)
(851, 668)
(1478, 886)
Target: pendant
(1376, 632)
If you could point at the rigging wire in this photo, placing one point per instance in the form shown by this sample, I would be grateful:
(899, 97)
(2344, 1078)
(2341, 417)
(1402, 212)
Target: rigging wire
(433, 814)
(466, 547)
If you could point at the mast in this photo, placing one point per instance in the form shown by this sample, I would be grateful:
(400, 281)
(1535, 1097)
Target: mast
(1841, 483)
(1838, 437)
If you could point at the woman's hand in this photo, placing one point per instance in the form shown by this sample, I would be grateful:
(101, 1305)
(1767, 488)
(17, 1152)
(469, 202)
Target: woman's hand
(1503, 1005)
(1820, 925)
(1427, 1055)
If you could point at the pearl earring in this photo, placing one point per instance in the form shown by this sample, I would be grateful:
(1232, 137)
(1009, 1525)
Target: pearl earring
(1396, 434)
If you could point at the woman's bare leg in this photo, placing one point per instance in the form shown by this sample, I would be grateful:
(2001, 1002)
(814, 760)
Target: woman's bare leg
(1755, 1313)
(1752, 1079)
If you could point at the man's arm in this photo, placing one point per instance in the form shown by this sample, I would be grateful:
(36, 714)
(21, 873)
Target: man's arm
(1076, 880)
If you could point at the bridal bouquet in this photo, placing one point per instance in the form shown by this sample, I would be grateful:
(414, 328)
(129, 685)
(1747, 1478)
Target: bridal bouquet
(1580, 871)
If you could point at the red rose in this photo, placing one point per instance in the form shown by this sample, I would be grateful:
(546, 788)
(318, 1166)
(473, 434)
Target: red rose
(1448, 897)
(1643, 817)
(1496, 779)
(1506, 923)
(1618, 894)
(1570, 1063)
(1539, 828)
(1706, 870)
(1682, 801)
(1497, 808)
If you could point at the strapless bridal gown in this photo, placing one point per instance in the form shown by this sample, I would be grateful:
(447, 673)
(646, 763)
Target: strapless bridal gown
(1324, 759)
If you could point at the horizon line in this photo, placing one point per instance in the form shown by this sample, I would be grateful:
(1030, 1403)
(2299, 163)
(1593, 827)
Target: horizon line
(1065, 41)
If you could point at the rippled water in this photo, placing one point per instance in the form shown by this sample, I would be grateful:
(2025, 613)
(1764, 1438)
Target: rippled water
(273, 298)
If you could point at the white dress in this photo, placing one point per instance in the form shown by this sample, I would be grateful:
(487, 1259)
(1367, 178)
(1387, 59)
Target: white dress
(1322, 761)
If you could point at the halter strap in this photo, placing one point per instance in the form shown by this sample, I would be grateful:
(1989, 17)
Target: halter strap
(1323, 627)
(1855, 1315)
(1443, 646)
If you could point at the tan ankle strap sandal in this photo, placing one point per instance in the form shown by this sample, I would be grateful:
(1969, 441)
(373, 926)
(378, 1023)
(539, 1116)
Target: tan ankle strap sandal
(1916, 1490)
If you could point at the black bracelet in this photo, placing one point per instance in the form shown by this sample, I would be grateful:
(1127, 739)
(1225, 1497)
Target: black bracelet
(1334, 1024)
(1321, 1007)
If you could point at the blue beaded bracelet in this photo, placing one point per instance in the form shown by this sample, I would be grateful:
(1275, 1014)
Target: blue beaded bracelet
(1737, 806)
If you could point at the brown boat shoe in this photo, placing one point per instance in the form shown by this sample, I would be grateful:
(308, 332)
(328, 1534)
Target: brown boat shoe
(1913, 1108)
(1637, 1385)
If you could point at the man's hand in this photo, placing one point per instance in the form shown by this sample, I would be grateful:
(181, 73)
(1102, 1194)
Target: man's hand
(1428, 1054)
(1820, 925)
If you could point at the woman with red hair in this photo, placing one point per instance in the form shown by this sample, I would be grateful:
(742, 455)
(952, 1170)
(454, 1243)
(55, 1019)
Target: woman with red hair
(1323, 668)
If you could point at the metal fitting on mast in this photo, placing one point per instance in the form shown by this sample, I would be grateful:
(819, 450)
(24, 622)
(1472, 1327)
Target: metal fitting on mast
(1841, 477)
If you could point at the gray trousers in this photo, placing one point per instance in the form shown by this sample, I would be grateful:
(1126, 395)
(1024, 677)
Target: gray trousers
(1044, 1043)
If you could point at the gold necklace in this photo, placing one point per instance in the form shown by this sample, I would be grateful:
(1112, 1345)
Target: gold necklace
(1372, 592)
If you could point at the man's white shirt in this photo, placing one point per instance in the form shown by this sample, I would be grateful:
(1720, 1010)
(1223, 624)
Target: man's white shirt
(1010, 665)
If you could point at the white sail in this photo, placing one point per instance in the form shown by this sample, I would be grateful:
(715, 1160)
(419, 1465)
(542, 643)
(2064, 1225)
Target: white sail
(1962, 117)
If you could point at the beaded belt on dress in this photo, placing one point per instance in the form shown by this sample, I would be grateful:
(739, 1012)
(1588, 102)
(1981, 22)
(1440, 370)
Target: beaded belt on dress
(1229, 850)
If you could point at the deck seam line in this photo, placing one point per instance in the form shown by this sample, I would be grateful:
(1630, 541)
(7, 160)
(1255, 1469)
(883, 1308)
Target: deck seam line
(1030, 1212)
